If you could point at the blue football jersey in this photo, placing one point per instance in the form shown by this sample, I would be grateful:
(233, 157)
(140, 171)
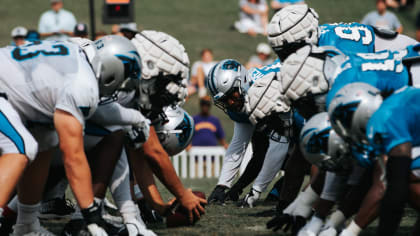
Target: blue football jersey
(253, 75)
(348, 37)
(396, 121)
(383, 70)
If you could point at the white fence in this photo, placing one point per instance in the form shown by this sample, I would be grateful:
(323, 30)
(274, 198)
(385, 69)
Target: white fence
(203, 162)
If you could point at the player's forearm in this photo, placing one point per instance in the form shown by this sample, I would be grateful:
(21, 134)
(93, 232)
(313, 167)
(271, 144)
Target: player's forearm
(146, 181)
(296, 168)
(369, 208)
(161, 165)
(396, 195)
(79, 177)
(115, 114)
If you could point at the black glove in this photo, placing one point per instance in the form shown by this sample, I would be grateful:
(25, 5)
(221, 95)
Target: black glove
(93, 215)
(233, 194)
(287, 222)
(148, 215)
(218, 195)
(282, 221)
(298, 223)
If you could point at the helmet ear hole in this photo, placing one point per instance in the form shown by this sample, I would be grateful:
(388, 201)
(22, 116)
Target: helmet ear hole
(109, 80)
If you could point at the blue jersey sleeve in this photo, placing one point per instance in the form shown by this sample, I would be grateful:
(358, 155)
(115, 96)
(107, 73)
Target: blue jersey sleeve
(395, 122)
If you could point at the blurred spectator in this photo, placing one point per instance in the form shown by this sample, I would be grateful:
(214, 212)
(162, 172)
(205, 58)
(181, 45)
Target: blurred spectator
(418, 27)
(262, 58)
(383, 18)
(57, 23)
(81, 30)
(128, 30)
(115, 29)
(18, 36)
(279, 4)
(33, 35)
(208, 129)
(199, 71)
(401, 4)
(100, 34)
(253, 18)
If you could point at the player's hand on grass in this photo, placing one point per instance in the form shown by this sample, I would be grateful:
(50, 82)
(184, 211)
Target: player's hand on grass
(286, 222)
(233, 194)
(218, 195)
(250, 198)
(282, 222)
(193, 204)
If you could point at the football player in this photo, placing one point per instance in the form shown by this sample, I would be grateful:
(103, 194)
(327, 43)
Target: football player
(228, 82)
(309, 98)
(162, 84)
(53, 83)
(384, 128)
(296, 25)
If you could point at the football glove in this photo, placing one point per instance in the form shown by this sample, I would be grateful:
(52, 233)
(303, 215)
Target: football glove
(95, 224)
(139, 133)
(286, 222)
(218, 195)
(250, 198)
(136, 227)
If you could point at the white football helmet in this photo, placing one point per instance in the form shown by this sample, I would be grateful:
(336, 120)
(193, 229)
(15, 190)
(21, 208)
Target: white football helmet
(165, 69)
(322, 147)
(291, 28)
(176, 134)
(351, 108)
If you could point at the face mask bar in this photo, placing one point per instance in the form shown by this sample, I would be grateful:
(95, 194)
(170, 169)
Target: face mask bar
(238, 102)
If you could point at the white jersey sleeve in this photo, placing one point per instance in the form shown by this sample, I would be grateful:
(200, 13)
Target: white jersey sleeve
(115, 114)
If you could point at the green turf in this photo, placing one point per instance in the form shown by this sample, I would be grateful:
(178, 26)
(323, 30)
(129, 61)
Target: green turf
(230, 219)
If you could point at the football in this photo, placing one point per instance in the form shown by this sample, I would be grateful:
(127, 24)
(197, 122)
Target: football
(179, 217)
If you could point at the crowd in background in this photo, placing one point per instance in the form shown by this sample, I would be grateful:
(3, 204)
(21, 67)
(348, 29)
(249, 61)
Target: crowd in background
(58, 24)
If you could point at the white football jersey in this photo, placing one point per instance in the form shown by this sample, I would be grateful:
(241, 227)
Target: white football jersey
(40, 77)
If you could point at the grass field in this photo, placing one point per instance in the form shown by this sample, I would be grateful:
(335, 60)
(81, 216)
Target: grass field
(232, 220)
(200, 24)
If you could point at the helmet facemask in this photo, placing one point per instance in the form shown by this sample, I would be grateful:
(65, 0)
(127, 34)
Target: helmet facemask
(233, 100)
(154, 96)
(351, 110)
